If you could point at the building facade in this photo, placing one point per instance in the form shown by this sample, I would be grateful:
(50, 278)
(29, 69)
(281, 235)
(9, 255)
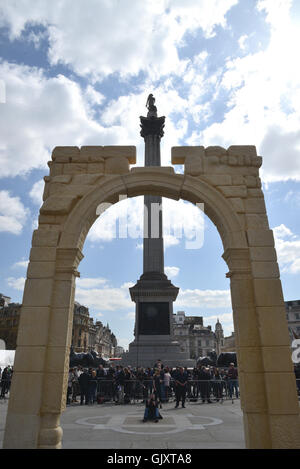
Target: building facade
(195, 338)
(293, 318)
(86, 335)
(9, 322)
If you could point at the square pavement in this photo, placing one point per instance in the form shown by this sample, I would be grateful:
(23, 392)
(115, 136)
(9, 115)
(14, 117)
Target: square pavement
(109, 426)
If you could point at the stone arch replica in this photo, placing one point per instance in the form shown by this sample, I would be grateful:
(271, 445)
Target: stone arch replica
(228, 183)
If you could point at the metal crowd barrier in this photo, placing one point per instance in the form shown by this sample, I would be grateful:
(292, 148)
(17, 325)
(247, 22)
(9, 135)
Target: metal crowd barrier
(136, 391)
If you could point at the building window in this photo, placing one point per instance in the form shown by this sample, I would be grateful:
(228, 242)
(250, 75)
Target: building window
(297, 316)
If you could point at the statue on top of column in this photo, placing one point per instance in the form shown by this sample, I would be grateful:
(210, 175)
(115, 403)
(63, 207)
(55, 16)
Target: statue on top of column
(152, 110)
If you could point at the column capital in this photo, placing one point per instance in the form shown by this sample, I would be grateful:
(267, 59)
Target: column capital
(67, 260)
(238, 261)
(152, 126)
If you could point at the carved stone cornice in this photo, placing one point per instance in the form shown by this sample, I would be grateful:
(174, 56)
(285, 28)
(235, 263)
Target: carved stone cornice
(238, 261)
(67, 260)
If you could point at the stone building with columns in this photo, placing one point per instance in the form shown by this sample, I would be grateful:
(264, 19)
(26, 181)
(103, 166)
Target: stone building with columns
(292, 309)
(195, 338)
(9, 321)
(86, 335)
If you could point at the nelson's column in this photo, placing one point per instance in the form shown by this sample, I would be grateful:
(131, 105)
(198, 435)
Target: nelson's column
(153, 293)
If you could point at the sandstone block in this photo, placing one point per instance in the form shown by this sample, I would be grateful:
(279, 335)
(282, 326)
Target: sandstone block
(224, 159)
(213, 160)
(272, 325)
(55, 168)
(251, 181)
(193, 165)
(75, 168)
(85, 179)
(57, 205)
(41, 270)
(215, 151)
(268, 292)
(241, 293)
(250, 360)
(96, 168)
(64, 154)
(255, 193)
(238, 180)
(61, 327)
(265, 269)
(37, 335)
(242, 150)
(92, 153)
(179, 154)
(63, 292)
(29, 400)
(257, 161)
(116, 165)
(277, 358)
(255, 205)
(262, 254)
(38, 292)
(233, 191)
(232, 160)
(246, 324)
(238, 204)
(218, 179)
(281, 393)
(58, 359)
(257, 221)
(285, 431)
(30, 359)
(43, 238)
(62, 179)
(53, 396)
(257, 430)
(260, 238)
(253, 397)
(42, 254)
(116, 151)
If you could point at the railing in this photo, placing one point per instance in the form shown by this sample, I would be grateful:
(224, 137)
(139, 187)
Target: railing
(135, 391)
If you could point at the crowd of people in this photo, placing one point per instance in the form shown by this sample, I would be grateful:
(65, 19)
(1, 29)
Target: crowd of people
(126, 384)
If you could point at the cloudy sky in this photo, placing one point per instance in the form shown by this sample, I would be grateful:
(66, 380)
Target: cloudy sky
(224, 72)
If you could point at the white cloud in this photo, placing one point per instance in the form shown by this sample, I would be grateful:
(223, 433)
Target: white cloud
(204, 298)
(13, 214)
(288, 249)
(130, 315)
(36, 192)
(16, 283)
(112, 36)
(46, 112)
(264, 99)
(90, 282)
(172, 272)
(106, 298)
(20, 265)
(242, 41)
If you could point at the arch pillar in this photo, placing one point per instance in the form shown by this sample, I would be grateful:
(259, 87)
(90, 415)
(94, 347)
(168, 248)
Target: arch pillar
(39, 384)
(266, 378)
